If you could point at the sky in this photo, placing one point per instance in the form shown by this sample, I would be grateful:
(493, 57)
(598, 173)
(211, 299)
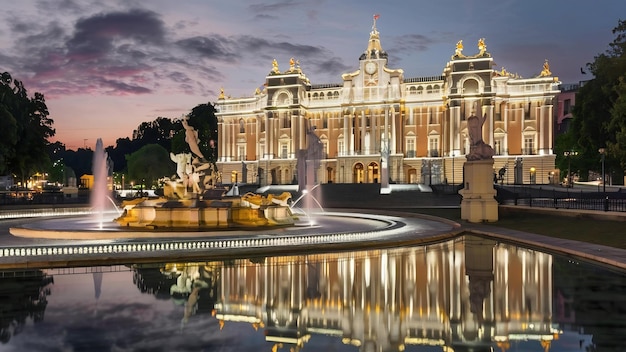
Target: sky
(105, 67)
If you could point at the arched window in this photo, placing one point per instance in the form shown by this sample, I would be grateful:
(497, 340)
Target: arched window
(242, 126)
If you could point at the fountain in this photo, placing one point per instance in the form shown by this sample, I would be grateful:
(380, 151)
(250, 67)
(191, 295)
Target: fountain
(197, 214)
(308, 164)
(194, 200)
(99, 191)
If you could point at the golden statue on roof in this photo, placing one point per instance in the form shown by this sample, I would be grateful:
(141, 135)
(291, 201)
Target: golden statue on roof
(482, 47)
(221, 94)
(545, 72)
(275, 66)
(459, 49)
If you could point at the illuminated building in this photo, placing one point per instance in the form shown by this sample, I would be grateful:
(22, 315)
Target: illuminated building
(377, 124)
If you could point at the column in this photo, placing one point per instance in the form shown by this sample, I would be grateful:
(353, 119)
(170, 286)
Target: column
(394, 132)
(346, 135)
(220, 141)
(362, 146)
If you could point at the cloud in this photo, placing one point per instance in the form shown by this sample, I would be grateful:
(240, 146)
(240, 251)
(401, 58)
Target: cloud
(409, 43)
(278, 6)
(215, 47)
(96, 36)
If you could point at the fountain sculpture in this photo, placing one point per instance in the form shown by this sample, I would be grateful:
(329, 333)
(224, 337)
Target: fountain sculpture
(193, 199)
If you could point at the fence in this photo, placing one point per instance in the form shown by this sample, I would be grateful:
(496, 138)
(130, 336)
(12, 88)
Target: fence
(567, 199)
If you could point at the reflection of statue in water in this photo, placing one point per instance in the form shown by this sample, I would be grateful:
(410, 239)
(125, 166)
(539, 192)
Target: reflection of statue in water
(479, 150)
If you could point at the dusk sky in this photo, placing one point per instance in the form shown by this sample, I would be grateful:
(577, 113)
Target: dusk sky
(105, 67)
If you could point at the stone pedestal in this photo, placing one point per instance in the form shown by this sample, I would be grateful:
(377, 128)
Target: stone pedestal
(478, 204)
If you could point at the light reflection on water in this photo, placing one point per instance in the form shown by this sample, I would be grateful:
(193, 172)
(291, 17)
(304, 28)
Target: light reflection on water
(465, 294)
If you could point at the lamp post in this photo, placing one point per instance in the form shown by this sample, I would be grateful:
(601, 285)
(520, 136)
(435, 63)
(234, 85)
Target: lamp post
(532, 175)
(568, 154)
(602, 152)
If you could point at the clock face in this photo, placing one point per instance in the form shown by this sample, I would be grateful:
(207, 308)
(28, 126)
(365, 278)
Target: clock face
(370, 67)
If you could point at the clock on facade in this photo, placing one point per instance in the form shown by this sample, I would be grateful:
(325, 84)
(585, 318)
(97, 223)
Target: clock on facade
(370, 67)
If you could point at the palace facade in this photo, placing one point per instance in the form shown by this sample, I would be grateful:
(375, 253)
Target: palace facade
(378, 124)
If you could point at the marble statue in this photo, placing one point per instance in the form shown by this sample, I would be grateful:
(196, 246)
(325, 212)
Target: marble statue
(479, 150)
(191, 137)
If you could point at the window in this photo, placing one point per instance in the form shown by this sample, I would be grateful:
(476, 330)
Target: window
(529, 145)
(242, 126)
(433, 146)
(284, 148)
(241, 152)
(567, 105)
(340, 146)
(410, 147)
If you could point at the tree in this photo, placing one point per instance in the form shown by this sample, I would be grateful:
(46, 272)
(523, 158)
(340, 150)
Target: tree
(160, 131)
(150, 163)
(28, 128)
(599, 116)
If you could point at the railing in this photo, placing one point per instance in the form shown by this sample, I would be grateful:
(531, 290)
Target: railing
(551, 198)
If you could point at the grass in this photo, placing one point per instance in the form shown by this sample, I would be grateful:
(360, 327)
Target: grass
(603, 232)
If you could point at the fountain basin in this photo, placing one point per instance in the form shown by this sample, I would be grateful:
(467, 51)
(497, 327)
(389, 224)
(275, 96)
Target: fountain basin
(227, 212)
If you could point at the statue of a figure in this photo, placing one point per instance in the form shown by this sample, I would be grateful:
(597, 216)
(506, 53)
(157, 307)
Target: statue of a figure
(275, 66)
(545, 72)
(181, 161)
(459, 48)
(191, 137)
(479, 150)
(482, 47)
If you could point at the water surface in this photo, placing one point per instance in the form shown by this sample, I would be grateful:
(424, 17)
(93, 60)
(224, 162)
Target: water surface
(467, 294)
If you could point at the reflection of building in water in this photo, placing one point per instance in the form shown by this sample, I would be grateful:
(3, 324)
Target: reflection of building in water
(23, 300)
(468, 293)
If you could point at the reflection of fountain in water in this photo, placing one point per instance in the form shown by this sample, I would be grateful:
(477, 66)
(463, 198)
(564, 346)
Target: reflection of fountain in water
(99, 190)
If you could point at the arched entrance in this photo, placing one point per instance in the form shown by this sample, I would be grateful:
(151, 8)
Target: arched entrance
(373, 174)
(412, 176)
(358, 176)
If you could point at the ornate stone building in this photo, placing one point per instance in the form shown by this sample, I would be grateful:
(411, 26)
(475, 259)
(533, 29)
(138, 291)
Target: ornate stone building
(377, 122)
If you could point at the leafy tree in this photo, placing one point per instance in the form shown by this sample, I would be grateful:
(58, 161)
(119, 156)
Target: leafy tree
(25, 129)
(160, 131)
(599, 114)
(150, 163)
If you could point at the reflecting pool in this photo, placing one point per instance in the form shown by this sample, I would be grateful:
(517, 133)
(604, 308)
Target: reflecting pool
(466, 294)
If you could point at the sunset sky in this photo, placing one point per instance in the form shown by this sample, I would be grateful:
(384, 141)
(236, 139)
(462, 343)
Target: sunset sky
(107, 66)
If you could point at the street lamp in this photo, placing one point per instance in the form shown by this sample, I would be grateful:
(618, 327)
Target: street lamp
(602, 152)
(532, 175)
(568, 154)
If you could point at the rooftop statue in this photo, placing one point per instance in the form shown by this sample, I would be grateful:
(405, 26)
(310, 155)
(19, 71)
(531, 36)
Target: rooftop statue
(482, 47)
(459, 49)
(545, 72)
(479, 150)
(275, 66)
